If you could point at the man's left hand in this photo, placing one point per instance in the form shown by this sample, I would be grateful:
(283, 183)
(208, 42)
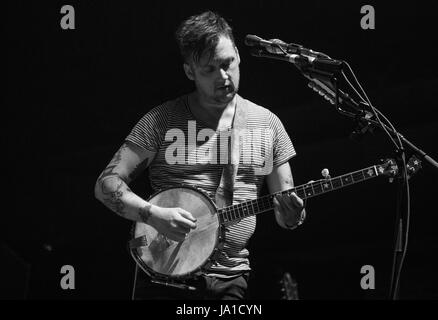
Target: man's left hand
(290, 208)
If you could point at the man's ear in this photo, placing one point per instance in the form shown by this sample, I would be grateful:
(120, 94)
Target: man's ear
(189, 71)
(237, 53)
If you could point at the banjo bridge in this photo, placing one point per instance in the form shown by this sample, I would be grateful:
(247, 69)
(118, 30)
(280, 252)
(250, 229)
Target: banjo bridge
(160, 243)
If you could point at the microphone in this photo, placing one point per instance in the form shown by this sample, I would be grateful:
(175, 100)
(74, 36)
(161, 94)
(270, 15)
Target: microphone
(253, 40)
(293, 53)
(288, 57)
(279, 46)
(271, 45)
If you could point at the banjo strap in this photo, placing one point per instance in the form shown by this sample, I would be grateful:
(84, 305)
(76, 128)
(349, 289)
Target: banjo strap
(225, 190)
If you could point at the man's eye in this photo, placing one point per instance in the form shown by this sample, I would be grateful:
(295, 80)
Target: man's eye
(208, 69)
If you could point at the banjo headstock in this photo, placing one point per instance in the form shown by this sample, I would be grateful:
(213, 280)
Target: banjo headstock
(388, 168)
(413, 166)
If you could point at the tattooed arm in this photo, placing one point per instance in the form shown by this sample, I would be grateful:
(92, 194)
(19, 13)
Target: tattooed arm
(112, 190)
(112, 185)
(288, 209)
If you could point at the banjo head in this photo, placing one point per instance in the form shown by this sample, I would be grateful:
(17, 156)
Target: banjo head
(161, 257)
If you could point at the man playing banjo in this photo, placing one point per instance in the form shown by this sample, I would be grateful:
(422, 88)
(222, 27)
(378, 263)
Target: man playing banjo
(181, 142)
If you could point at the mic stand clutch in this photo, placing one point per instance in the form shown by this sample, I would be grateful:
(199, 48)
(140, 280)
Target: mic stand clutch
(369, 124)
(327, 85)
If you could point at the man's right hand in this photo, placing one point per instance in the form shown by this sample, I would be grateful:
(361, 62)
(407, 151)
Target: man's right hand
(174, 223)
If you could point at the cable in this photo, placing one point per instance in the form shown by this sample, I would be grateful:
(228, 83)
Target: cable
(376, 113)
(352, 87)
(396, 240)
(135, 282)
(395, 274)
(390, 124)
(406, 237)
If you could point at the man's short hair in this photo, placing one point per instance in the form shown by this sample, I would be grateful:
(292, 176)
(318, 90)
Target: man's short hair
(199, 35)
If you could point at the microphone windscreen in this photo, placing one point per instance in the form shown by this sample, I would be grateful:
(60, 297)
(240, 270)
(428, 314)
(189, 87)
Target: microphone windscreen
(252, 40)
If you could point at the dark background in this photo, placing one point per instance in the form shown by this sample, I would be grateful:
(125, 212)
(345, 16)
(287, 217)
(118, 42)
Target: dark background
(73, 95)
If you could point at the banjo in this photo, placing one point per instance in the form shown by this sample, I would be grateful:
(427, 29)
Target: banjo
(165, 259)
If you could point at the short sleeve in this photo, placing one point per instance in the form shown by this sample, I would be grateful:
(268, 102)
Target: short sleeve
(149, 131)
(283, 149)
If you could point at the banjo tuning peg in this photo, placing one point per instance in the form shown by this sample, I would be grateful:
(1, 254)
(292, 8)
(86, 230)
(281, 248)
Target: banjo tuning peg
(325, 173)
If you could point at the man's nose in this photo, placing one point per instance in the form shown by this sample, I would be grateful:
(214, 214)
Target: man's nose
(224, 74)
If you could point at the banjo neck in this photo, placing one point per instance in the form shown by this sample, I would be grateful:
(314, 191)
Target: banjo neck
(164, 259)
(309, 190)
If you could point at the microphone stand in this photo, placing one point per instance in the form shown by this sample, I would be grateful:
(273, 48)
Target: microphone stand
(322, 73)
(366, 123)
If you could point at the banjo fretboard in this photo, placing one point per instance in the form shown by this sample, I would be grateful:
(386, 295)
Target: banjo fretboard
(265, 203)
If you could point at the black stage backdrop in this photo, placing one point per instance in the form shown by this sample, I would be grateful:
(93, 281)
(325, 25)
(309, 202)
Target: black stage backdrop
(73, 95)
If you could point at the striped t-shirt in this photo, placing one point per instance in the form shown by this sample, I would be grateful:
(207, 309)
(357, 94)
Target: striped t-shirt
(188, 152)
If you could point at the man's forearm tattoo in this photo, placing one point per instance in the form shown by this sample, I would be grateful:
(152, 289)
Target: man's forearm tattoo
(113, 198)
(289, 181)
(145, 213)
(113, 191)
